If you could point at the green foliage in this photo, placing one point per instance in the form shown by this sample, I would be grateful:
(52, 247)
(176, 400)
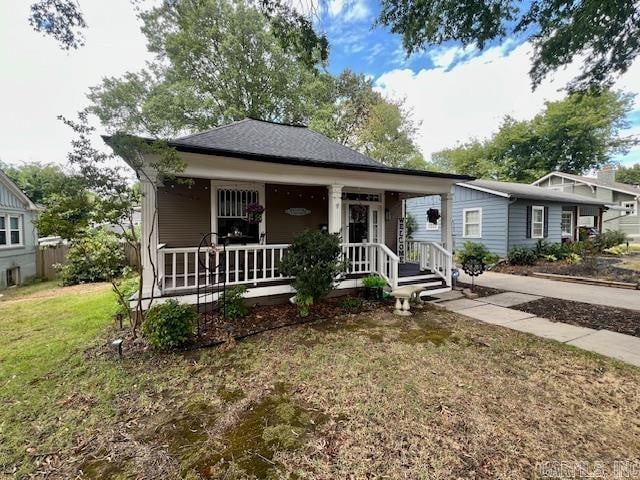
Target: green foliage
(39, 181)
(61, 19)
(304, 303)
(232, 302)
(374, 281)
(314, 261)
(351, 304)
(608, 239)
(67, 215)
(123, 289)
(410, 226)
(603, 35)
(630, 175)
(553, 251)
(169, 325)
(477, 251)
(573, 135)
(633, 248)
(94, 258)
(522, 256)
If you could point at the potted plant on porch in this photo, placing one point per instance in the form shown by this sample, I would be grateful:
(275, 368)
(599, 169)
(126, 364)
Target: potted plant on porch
(373, 287)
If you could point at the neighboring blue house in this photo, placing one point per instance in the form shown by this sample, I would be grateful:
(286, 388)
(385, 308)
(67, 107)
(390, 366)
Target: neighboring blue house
(18, 236)
(503, 215)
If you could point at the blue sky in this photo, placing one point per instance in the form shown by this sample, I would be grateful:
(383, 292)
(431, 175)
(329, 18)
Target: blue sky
(454, 94)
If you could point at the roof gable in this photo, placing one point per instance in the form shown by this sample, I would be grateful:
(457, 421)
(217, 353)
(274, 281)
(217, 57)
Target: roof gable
(592, 182)
(11, 196)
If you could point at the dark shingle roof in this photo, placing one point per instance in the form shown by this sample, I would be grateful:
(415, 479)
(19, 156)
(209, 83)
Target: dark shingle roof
(284, 143)
(532, 192)
(276, 140)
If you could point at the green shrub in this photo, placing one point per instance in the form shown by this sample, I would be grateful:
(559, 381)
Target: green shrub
(522, 256)
(303, 302)
(351, 304)
(314, 261)
(95, 258)
(169, 325)
(374, 281)
(552, 251)
(233, 303)
(608, 239)
(477, 251)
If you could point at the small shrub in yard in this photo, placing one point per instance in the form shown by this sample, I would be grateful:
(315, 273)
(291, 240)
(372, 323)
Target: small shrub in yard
(608, 239)
(521, 256)
(95, 258)
(233, 303)
(477, 251)
(351, 304)
(169, 325)
(314, 261)
(374, 281)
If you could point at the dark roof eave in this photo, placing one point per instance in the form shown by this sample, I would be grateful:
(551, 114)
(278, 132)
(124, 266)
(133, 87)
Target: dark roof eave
(315, 163)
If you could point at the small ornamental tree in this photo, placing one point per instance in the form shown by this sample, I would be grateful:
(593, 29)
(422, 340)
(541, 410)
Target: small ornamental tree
(314, 261)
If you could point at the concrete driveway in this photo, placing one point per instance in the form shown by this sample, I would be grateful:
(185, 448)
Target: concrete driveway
(612, 297)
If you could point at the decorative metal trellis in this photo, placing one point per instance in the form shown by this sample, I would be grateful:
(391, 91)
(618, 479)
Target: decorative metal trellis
(211, 279)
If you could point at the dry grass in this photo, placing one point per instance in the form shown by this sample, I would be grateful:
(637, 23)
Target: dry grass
(373, 395)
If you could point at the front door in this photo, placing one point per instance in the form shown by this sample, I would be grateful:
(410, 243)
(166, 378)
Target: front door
(363, 223)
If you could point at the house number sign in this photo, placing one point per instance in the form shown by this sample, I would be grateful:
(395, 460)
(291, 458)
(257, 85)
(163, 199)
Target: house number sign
(297, 212)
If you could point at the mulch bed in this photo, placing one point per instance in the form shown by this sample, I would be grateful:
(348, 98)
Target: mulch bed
(604, 268)
(481, 291)
(587, 315)
(215, 329)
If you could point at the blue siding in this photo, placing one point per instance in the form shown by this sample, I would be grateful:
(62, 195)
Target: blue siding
(24, 256)
(518, 223)
(494, 218)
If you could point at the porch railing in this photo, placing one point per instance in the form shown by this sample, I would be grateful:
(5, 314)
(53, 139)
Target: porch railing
(430, 256)
(180, 268)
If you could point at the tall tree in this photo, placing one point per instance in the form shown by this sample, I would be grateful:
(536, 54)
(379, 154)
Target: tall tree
(629, 175)
(216, 62)
(603, 34)
(39, 181)
(573, 135)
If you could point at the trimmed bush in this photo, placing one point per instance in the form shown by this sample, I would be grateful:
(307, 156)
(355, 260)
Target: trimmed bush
(314, 261)
(522, 256)
(477, 251)
(233, 303)
(98, 257)
(169, 325)
(609, 239)
(374, 281)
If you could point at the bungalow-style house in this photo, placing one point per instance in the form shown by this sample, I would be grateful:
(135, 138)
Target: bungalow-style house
(620, 198)
(18, 236)
(503, 215)
(303, 181)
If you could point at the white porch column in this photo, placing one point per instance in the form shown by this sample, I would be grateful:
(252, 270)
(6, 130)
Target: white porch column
(335, 208)
(149, 237)
(446, 223)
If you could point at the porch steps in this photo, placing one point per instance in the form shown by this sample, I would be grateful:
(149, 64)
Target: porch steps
(425, 277)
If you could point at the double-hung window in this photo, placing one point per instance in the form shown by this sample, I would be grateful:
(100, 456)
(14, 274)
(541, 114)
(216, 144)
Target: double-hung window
(566, 225)
(433, 226)
(537, 222)
(10, 230)
(232, 216)
(472, 223)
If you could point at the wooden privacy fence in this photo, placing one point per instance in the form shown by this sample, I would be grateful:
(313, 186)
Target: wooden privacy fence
(49, 255)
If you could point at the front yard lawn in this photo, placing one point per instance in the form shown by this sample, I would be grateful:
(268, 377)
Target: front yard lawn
(367, 395)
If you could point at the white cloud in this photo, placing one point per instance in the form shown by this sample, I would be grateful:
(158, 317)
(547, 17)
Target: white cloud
(350, 10)
(470, 99)
(444, 57)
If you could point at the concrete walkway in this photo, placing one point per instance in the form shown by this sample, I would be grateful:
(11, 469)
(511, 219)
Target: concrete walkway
(492, 310)
(612, 297)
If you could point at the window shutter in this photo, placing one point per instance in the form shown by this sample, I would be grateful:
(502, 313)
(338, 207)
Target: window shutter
(546, 222)
(528, 221)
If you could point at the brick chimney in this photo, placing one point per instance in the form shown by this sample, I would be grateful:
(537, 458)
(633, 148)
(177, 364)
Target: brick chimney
(607, 174)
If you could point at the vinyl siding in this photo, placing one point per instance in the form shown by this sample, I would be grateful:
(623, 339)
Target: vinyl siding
(282, 227)
(518, 223)
(24, 256)
(494, 218)
(184, 213)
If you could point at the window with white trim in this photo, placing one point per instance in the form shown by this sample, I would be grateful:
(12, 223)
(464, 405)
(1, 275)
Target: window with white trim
(631, 208)
(537, 222)
(232, 215)
(472, 223)
(433, 226)
(566, 224)
(10, 230)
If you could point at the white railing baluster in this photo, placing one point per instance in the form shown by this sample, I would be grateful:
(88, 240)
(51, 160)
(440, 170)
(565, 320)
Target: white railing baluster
(237, 267)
